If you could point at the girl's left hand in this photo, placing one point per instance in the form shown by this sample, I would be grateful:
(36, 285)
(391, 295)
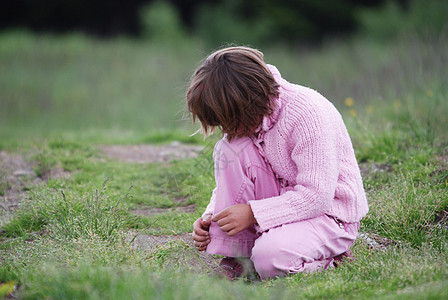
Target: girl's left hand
(235, 219)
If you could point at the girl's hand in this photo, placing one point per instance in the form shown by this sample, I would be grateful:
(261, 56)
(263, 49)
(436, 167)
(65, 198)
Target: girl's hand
(200, 232)
(235, 219)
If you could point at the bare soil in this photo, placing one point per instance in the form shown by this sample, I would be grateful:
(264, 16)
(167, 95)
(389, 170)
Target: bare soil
(199, 260)
(147, 242)
(16, 175)
(368, 169)
(150, 153)
(376, 241)
(150, 211)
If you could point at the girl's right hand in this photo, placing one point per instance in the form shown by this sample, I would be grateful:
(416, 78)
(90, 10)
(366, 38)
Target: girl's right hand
(201, 236)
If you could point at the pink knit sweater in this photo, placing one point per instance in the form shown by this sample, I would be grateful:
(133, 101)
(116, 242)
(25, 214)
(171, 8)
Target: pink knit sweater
(308, 146)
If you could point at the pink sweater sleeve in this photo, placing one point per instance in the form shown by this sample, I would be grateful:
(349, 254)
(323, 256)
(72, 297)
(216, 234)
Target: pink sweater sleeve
(211, 206)
(314, 154)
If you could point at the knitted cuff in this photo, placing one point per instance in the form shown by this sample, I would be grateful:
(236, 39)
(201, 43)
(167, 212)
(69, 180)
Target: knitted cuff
(267, 217)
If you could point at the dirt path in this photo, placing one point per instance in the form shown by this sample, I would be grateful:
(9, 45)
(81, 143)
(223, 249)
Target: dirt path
(150, 153)
(16, 173)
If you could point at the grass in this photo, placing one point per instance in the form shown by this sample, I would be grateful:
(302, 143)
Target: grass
(90, 84)
(62, 97)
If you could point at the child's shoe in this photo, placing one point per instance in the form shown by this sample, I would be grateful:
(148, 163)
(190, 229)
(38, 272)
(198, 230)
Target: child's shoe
(346, 256)
(233, 268)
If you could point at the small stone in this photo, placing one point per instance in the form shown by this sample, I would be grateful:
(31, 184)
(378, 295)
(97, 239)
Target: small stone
(23, 173)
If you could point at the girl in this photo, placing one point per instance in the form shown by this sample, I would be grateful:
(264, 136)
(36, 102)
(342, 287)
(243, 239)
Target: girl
(289, 194)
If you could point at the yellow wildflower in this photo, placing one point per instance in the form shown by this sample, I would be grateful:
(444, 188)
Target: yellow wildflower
(349, 102)
(353, 112)
(7, 288)
(397, 103)
(369, 109)
(429, 93)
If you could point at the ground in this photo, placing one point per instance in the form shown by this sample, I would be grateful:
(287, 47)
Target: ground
(18, 171)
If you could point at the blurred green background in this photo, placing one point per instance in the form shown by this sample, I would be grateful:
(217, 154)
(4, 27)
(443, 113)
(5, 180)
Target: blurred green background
(113, 69)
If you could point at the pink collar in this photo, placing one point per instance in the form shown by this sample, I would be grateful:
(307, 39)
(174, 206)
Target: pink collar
(269, 121)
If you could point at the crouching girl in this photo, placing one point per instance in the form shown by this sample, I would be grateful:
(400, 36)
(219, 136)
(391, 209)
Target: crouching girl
(289, 195)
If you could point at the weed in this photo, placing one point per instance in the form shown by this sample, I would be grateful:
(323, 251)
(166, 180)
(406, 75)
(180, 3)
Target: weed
(92, 216)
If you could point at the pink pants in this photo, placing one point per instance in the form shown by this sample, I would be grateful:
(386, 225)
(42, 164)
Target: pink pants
(304, 246)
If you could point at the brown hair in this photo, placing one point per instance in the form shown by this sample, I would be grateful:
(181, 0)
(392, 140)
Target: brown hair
(232, 89)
